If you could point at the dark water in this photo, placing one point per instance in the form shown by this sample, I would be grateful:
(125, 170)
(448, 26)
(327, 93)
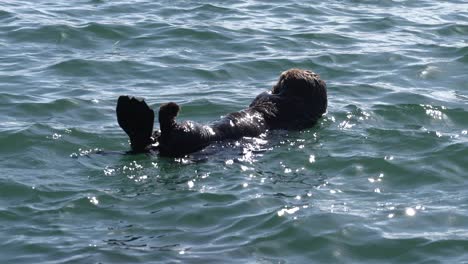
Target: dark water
(382, 178)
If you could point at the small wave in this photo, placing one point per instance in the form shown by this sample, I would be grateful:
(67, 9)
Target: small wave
(44, 108)
(194, 34)
(376, 24)
(463, 55)
(333, 38)
(453, 30)
(421, 114)
(6, 16)
(212, 9)
(8, 98)
(92, 67)
(107, 31)
(83, 36)
(14, 192)
(275, 65)
(18, 136)
(50, 34)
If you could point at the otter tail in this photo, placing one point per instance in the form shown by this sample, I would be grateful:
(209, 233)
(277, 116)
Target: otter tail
(136, 119)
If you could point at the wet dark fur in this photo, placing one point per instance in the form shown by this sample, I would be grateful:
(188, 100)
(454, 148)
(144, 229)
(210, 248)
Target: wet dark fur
(296, 101)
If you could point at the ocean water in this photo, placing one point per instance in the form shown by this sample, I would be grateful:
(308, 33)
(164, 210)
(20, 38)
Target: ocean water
(381, 179)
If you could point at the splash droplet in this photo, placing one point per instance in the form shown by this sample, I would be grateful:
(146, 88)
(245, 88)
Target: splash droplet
(287, 211)
(190, 184)
(312, 158)
(93, 200)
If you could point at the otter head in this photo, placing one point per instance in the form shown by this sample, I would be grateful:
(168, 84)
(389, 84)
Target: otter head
(298, 82)
(303, 84)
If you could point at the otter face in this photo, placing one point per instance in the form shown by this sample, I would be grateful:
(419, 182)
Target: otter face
(298, 82)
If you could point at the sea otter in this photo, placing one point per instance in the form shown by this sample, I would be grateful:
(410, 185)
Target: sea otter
(296, 101)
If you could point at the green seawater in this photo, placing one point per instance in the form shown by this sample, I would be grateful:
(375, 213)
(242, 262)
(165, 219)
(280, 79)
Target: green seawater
(381, 179)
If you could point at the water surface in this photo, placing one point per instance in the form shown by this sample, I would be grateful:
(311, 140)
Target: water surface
(381, 178)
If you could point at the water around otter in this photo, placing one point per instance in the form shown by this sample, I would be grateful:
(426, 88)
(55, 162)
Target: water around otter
(382, 178)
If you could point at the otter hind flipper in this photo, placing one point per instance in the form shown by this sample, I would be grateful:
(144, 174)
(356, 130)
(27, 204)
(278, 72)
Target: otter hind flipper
(136, 119)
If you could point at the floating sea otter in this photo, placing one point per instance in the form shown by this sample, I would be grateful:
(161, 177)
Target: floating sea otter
(297, 101)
